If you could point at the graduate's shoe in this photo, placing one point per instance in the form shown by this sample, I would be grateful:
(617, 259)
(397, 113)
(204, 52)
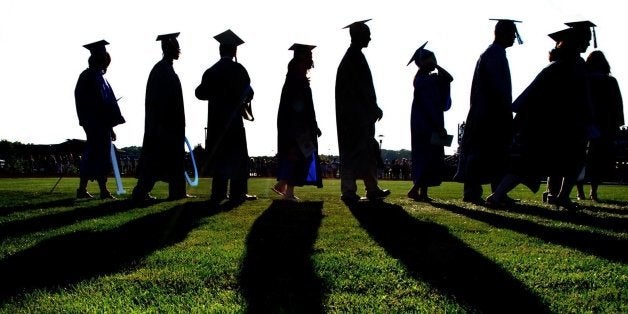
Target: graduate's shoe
(217, 199)
(565, 203)
(349, 199)
(581, 197)
(414, 196)
(473, 200)
(377, 194)
(143, 198)
(243, 198)
(83, 194)
(291, 198)
(106, 195)
(495, 201)
(276, 190)
(594, 198)
(545, 196)
(180, 197)
(511, 201)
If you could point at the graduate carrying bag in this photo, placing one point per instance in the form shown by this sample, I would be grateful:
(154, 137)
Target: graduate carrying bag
(441, 139)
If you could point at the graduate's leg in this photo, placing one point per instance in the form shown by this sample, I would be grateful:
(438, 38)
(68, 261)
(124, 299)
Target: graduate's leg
(81, 192)
(176, 187)
(593, 194)
(348, 186)
(104, 192)
(143, 187)
(373, 191)
(580, 188)
(414, 192)
(565, 190)
(219, 188)
(289, 192)
(508, 183)
(280, 187)
(472, 191)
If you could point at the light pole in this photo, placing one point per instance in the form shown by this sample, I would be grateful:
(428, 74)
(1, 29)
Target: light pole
(381, 138)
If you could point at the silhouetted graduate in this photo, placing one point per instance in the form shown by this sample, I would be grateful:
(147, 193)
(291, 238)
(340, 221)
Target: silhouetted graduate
(227, 88)
(427, 122)
(98, 113)
(488, 130)
(297, 129)
(356, 114)
(557, 104)
(608, 117)
(163, 152)
(582, 32)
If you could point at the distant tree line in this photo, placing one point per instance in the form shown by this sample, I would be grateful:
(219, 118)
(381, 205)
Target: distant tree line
(18, 159)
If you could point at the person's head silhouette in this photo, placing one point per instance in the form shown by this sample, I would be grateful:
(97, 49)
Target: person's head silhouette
(582, 34)
(170, 46)
(596, 62)
(424, 59)
(506, 32)
(302, 60)
(360, 33)
(229, 43)
(99, 58)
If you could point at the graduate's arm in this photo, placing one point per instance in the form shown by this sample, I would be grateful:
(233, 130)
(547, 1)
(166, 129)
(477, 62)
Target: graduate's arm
(202, 91)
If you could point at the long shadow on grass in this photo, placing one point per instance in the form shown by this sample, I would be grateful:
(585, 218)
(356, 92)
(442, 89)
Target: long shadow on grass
(623, 210)
(74, 257)
(44, 222)
(580, 217)
(432, 254)
(609, 247)
(34, 203)
(277, 274)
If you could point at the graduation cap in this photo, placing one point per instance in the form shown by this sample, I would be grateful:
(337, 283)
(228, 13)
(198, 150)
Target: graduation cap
(354, 24)
(229, 38)
(419, 53)
(302, 50)
(97, 47)
(584, 25)
(562, 35)
(512, 24)
(167, 36)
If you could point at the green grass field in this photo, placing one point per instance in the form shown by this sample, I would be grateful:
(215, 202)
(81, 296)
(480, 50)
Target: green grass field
(318, 255)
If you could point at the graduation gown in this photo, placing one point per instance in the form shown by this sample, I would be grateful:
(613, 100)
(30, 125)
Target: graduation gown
(297, 134)
(98, 113)
(557, 104)
(226, 87)
(608, 116)
(163, 152)
(431, 99)
(356, 114)
(488, 129)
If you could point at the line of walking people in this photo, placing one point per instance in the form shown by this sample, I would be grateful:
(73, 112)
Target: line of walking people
(555, 117)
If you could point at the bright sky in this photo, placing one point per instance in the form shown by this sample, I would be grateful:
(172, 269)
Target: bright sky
(42, 56)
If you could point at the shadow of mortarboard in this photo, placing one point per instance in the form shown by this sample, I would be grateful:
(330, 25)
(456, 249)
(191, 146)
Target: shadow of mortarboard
(277, 274)
(434, 255)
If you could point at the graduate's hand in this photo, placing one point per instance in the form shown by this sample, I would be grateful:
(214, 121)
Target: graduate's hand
(113, 136)
(380, 114)
(318, 132)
